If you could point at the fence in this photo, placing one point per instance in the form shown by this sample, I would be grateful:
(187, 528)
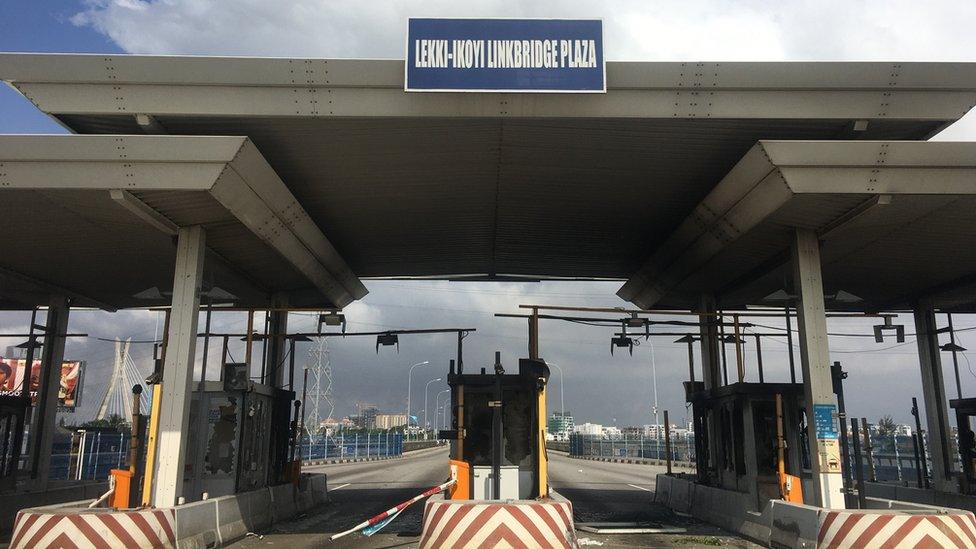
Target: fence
(94, 455)
(356, 445)
(682, 447)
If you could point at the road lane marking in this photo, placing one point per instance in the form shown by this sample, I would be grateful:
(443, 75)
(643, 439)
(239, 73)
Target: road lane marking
(340, 486)
(640, 488)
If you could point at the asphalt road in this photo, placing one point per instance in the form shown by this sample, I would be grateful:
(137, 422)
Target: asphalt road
(600, 492)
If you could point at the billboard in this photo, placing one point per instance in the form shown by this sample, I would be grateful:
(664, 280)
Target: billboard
(505, 55)
(13, 370)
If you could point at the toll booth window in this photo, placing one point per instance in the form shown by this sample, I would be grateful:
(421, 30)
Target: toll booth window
(477, 429)
(725, 421)
(518, 416)
(738, 435)
(764, 425)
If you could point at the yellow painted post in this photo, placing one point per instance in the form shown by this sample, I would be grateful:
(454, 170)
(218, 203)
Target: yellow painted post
(157, 401)
(151, 444)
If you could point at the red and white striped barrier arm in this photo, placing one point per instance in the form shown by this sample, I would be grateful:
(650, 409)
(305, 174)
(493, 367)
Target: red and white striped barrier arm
(396, 510)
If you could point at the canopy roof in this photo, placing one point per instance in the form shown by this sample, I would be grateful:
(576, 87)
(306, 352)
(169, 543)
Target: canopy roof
(494, 186)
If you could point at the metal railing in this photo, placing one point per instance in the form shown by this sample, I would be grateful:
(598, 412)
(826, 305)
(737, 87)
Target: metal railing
(351, 446)
(682, 447)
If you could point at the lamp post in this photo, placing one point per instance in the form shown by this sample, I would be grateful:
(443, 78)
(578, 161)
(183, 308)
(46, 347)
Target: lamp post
(437, 404)
(409, 373)
(562, 397)
(425, 405)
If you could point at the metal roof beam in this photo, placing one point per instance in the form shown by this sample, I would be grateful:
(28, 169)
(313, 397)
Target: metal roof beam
(773, 172)
(54, 289)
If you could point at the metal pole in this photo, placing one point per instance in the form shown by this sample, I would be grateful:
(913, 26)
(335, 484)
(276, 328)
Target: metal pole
(894, 440)
(534, 334)
(721, 338)
(838, 375)
(858, 465)
(691, 360)
(921, 443)
(868, 450)
(206, 345)
(955, 358)
(789, 343)
(426, 387)
(409, 374)
(762, 377)
(740, 366)
(780, 447)
(657, 424)
(667, 440)
(918, 463)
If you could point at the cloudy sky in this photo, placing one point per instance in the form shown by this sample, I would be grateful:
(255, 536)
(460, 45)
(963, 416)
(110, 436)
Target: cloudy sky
(598, 387)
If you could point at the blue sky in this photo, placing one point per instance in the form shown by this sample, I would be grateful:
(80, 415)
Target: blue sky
(598, 388)
(41, 26)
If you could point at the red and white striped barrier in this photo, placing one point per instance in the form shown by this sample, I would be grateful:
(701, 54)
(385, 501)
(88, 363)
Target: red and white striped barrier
(486, 524)
(98, 529)
(853, 529)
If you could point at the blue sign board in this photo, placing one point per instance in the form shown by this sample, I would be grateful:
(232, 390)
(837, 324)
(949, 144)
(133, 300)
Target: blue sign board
(825, 420)
(505, 55)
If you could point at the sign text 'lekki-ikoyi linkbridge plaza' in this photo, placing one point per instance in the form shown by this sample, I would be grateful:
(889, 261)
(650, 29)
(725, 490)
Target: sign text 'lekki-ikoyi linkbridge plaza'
(523, 55)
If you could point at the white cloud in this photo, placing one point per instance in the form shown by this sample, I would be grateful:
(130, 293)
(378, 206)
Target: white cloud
(635, 29)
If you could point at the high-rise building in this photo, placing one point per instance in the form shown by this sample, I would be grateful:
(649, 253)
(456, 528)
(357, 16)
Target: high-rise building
(560, 425)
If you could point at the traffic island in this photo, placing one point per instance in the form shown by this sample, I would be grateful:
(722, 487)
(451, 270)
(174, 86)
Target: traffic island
(785, 524)
(520, 523)
(208, 523)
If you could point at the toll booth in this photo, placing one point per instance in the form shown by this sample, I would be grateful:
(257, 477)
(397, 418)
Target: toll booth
(743, 417)
(965, 409)
(497, 439)
(239, 436)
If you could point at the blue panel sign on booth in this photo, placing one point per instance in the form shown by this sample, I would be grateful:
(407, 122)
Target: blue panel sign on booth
(505, 55)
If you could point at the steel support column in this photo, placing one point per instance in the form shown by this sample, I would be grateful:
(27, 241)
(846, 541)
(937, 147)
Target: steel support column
(278, 343)
(46, 412)
(817, 382)
(708, 330)
(178, 367)
(933, 393)
(711, 376)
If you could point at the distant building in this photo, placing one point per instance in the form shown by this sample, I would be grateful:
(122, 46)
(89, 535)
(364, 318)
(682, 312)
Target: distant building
(612, 433)
(560, 425)
(390, 421)
(593, 429)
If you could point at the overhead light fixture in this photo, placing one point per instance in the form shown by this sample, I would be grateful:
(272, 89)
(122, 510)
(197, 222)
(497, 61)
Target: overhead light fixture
(622, 341)
(687, 339)
(952, 347)
(387, 340)
(731, 339)
(633, 321)
(880, 329)
(779, 295)
(218, 294)
(300, 337)
(332, 318)
(30, 343)
(844, 297)
(150, 293)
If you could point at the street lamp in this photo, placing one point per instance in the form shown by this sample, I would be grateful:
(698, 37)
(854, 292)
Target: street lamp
(409, 373)
(437, 403)
(562, 392)
(425, 405)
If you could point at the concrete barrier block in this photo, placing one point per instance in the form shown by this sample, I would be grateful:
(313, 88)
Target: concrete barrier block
(793, 525)
(662, 489)
(231, 523)
(284, 501)
(196, 525)
(681, 495)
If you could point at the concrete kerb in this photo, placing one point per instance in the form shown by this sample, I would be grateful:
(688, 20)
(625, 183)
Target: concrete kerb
(335, 461)
(685, 465)
(222, 520)
(780, 523)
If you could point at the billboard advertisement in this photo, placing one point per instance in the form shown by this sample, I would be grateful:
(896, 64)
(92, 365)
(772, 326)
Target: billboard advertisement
(13, 372)
(505, 55)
